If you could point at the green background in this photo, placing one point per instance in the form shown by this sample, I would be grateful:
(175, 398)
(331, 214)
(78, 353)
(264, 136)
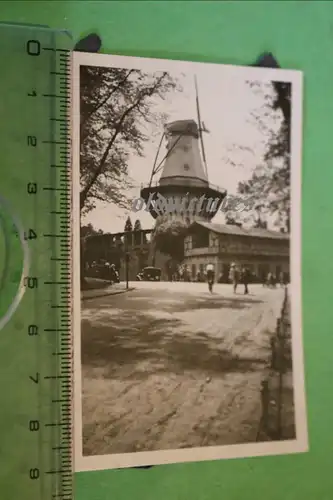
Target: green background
(300, 35)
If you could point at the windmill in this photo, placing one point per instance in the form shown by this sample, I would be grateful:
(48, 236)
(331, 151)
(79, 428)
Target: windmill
(201, 125)
(183, 167)
(159, 163)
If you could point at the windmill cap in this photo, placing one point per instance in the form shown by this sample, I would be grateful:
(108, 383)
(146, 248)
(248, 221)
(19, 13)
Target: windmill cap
(186, 127)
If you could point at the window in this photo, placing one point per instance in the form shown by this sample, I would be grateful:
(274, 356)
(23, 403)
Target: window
(214, 240)
(200, 239)
(263, 271)
(225, 270)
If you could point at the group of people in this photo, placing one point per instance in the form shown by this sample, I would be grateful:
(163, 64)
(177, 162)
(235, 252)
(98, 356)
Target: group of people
(243, 276)
(236, 277)
(105, 270)
(272, 280)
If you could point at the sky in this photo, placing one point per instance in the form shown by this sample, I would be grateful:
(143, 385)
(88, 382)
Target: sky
(234, 145)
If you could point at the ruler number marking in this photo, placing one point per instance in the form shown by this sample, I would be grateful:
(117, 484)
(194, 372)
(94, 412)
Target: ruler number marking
(30, 235)
(34, 473)
(33, 47)
(31, 282)
(32, 188)
(32, 330)
(32, 94)
(34, 425)
(34, 378)
(32, 140)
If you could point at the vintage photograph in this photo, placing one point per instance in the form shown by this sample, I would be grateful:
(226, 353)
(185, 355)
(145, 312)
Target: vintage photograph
(186, 262)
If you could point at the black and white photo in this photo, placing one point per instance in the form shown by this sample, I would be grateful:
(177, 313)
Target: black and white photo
(186, 261)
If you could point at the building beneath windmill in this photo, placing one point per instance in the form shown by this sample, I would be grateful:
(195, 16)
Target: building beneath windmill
(183, 184)
(183, 176)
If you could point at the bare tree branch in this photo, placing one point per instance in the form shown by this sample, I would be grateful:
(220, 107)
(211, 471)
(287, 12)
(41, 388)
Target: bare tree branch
(118, 129)
(105, 100)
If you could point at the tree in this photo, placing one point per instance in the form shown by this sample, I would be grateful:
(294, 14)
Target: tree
(259, 221)
(168, 238)
(137, 225)
(269, 184)
(117, 105)
(128, 225)
(231, 219)
(85, 232)
(89, 230)
(138, 236)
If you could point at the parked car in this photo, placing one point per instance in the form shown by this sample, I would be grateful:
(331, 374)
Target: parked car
(150, 274)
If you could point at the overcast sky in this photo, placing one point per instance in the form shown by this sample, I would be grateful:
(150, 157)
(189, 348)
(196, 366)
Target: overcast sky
(233, 146)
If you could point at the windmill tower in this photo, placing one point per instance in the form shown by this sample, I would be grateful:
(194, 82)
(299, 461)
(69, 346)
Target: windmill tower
(184, 173)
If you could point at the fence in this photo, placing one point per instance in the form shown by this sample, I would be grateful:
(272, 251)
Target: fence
(273, 390)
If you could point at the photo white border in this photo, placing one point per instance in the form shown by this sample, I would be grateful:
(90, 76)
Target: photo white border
(136, 459)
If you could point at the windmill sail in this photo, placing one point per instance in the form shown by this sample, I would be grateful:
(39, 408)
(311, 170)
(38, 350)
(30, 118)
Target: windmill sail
(200, 125)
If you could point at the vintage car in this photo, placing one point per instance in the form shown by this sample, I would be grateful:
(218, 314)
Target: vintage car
(149, 274)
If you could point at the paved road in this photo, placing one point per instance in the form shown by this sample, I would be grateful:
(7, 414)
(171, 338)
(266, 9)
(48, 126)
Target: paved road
(170, 366)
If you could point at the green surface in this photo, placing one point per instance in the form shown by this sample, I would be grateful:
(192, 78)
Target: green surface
(13, 258)
(29, 344)
(300, 34)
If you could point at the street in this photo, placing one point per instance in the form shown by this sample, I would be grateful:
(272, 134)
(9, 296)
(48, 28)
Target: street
(169, 365)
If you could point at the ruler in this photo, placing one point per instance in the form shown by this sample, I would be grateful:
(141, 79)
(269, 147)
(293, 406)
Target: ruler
(35, 338)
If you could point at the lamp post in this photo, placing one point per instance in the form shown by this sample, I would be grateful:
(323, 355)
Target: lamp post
(126, 260)
(126, 268)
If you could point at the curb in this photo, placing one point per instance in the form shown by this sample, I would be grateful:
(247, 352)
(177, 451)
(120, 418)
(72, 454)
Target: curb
(264, 432)
(106, 294)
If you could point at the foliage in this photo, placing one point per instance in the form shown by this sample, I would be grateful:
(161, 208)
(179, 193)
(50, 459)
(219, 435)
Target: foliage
(117, 105)
(231, 219)
(137, 225)
(168, 237)
(128, 225)
(260, 223)
(88, 230)
(268, 190)
(139, 237)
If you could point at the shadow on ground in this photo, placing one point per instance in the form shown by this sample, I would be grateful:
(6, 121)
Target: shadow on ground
(162, 343)
(173, 302)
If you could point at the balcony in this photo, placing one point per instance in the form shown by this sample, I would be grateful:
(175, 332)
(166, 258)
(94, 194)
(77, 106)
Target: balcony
(254, 250)
(238, 250)
(193, 252)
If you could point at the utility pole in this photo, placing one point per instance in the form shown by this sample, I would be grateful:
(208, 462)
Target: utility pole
(126, 263)
(126, 260)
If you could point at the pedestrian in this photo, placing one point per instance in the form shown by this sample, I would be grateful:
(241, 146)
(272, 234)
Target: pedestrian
(245, 279)
(112, 273)
(270, 280)
(234, 276)
(210, 273)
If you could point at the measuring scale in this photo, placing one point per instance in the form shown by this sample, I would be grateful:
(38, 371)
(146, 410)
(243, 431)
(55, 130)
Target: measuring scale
(35, 273)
